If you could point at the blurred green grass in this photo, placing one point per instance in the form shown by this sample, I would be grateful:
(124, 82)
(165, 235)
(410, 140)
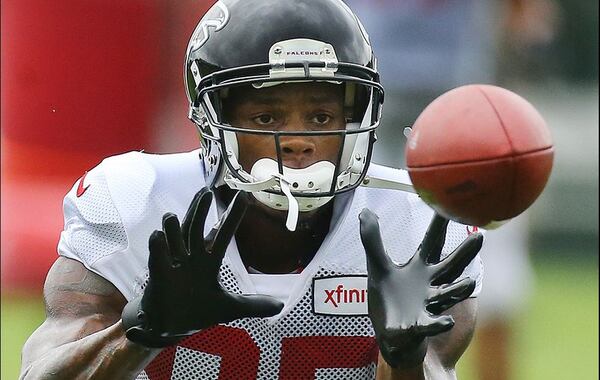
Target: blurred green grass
(20, 316)
(556, 339)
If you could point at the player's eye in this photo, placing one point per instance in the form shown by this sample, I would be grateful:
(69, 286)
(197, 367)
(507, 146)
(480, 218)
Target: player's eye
(321, 119)
(264, 119)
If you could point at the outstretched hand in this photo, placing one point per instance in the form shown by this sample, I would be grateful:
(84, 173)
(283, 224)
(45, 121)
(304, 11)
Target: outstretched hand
(405, 301)
(183, 294)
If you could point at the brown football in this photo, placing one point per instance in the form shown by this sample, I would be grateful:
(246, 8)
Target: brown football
(479, 154)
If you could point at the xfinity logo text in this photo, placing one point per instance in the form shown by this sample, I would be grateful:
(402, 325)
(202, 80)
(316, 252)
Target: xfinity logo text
(340, 295)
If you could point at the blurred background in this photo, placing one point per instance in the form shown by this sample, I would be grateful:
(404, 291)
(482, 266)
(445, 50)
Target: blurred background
(82, 80)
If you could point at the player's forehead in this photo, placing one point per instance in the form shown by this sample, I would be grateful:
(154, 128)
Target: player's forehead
(311, 93)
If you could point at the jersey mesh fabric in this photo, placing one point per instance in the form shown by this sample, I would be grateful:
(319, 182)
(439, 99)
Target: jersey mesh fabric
(93, 227)
(197, 365)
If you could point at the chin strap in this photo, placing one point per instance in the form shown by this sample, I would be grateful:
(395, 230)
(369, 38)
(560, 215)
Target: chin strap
(251, 187)
(274, 189)
(293, 209)
(275, 180)
(380, 183)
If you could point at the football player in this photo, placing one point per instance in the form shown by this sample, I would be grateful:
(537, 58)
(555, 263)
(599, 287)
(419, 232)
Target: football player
(276, 250)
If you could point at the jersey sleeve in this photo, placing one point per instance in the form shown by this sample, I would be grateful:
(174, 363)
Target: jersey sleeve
(94, 233)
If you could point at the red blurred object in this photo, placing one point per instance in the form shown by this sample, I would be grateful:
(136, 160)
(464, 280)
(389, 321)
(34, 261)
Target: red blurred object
(81, 80)
(79, 74)
(479, 154)
(31, 225)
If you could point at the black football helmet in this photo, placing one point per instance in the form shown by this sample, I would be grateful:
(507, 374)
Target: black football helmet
(263, 43)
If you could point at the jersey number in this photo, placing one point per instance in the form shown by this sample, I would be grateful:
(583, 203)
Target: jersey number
(239, 355)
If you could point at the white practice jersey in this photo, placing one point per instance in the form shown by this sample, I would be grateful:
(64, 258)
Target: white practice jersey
(323, 332)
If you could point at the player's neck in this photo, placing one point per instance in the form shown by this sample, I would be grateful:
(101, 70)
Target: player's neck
(266, 245)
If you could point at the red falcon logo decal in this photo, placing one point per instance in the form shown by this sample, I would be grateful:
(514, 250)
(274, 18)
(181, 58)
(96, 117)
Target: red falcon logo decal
(80, 188)
(472, 230)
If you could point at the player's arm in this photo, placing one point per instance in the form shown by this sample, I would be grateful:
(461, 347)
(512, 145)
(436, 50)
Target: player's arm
(82, 336)
(414, 306)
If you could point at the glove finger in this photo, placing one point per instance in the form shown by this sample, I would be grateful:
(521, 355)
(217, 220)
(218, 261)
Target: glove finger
(189, 216)
(445, 303)
(254, 305)
(228, 224)
(370, 236)
(431, 248)
(451, 290)
(436, 325)
(174, 237)
(159, 259)
(447, 296)
(198, 220)
(187, 220)
(452, 266)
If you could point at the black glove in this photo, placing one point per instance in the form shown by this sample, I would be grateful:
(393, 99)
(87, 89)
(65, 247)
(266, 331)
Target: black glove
(183, 295)
(405, 301)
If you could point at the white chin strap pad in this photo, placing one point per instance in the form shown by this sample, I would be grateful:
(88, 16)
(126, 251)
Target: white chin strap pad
(313, 179)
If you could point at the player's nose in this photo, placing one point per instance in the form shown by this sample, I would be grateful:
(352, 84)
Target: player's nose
(297, 152)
